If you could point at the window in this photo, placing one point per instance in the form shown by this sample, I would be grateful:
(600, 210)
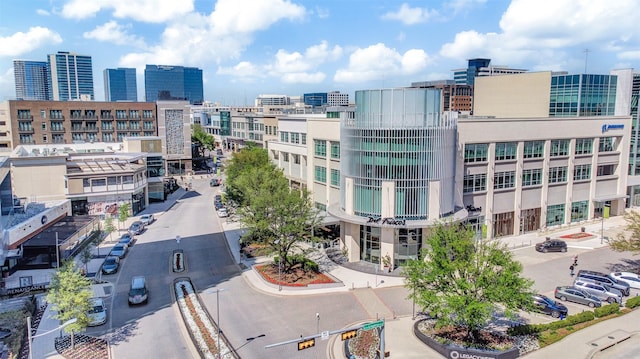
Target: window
(304, 138)
(320, 148)
(44, 138)
(475, 183)
(579, 211)
(24, 114)
(335, 150)
(475, 152)
(285, 157)
(532, 177)
(607, 144)
(504, 180)
(335, 177)
(584, 146)
(44, 126)
(559, 148)
(582, 172)
(606, 170)
(555, 215)
(43, 114)
(134, 114)
(321, 174)
(295, 137)
(506, 151)
(284, 136)
(533, 149)
(121, 114)
(558, 174)
(296, 159)
(105, 114)
(147, 113)
(57, 114)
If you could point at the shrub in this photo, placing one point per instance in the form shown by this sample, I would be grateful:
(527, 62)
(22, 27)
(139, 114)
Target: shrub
(311, 265)
(633, 302)
(606, 310)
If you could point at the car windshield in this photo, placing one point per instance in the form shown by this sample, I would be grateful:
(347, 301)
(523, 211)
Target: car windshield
(136, 291)
(547, 300)
(110, 261)
(118, 248)
(96, 309)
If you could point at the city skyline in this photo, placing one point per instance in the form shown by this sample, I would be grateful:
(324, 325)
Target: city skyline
(246, 48)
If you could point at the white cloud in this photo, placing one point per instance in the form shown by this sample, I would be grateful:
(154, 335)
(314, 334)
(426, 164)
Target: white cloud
(115, 33)
(247, 16)
(7, 80)
(548, 35)
(42, 12)
(410, 16)
(463, 5)
(243, 69)
(153, 11)
(303, 77)
(24, 42)
(629, 55)
(378, 61)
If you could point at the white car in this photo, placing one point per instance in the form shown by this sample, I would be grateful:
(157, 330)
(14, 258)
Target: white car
(222, 213)
(631, 278)
(147, 219)
(97, 312)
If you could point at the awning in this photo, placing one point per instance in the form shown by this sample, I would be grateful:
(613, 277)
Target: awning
(609, 197)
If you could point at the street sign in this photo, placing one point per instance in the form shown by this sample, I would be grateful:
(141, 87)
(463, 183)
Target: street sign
(306, 344)
(373, 325)
(325, 335)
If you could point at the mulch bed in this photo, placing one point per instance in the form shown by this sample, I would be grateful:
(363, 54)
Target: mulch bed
(484, 338)
(577, 235)
(296, 277)
(85, 347)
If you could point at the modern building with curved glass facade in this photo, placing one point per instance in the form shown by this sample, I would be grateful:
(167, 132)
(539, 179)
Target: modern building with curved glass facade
(397, 168)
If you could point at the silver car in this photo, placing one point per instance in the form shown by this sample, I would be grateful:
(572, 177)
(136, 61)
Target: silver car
(602, 291)
(97, 312)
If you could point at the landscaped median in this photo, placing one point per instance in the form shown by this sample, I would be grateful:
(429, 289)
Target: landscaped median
(201, 327)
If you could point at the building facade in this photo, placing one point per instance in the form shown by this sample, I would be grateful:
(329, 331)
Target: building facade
(175, 131)
(66, 122)
(120, 85)
(31, 78)
(173, 83)
(70, 76)
(455, 97)
(481, 67)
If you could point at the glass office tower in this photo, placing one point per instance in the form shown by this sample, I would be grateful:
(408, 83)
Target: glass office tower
(70, 76)
(31, 80)
(582, 95)
(120, 85)
(173, 83)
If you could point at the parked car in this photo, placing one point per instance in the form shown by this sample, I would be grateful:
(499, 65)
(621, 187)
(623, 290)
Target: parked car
(127, 239)
(215, 182)
(222, 213)
(110, 265)
(552, 245)
(136, 228)
(548, 306)
(147, 219)
(138, 292)
(217, 197)
(119, 250)
(572, 294)
(627, 277)
(218, 205)
(600, 291)
(601, 278)
(97, 312)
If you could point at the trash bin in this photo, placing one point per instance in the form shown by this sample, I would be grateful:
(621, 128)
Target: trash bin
(582, 229)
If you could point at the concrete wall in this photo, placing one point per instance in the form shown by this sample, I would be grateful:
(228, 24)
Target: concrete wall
(512, 96)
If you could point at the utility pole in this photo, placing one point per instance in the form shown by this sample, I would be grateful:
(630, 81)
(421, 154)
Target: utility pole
(586, 56)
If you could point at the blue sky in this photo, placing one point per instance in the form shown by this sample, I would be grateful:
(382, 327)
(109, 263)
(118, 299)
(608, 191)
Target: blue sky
(251, 47)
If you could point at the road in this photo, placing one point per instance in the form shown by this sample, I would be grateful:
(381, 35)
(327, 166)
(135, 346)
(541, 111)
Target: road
(155, 330)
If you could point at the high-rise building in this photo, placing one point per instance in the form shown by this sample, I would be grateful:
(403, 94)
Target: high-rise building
(31, 80)
(70, 76)
(481, 67)
(120, 84)
(166, 83)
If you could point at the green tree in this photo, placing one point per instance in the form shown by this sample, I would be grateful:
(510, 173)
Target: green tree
(86, 256)
(109, 227)
(629, 240)
(273, 213)
(202, 139)
(123, 212)
(464, 280)
(69, 294)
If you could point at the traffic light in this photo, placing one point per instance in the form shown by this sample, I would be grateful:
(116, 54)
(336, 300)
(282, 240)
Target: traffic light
(306, 344)
(349, 334)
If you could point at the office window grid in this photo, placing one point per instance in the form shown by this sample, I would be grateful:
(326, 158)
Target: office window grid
(475, 152)
(506, 151)
(475, 183)
(532, 177)
(579, 211)
(295, 137)
(320, 148)
(606, 170)
(606, 144)
(335, 150)
(584, 146)
(582, 172)
(504, 180)
(321, 174)
(559, 148)
(533, 149)
(555, 215)
(558, 174)
(335, 177)
(303, 138)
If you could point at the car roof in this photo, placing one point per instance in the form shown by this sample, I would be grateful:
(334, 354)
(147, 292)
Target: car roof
(137, 281)
(96, 301)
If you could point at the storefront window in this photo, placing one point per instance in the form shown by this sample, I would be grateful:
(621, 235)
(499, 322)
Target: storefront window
(370, 244)
(408, 242)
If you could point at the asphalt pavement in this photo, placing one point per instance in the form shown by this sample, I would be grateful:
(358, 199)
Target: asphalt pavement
(399, 338)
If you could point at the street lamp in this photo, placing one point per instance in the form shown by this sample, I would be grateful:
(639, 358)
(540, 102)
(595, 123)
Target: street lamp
(217, 290)
(276, 242)
(30, 337)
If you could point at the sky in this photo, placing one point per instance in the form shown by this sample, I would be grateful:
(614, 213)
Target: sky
(291, 47)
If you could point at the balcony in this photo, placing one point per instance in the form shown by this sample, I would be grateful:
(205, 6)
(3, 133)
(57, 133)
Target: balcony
(77, 129)
(58, 140)
(25, 118)
(107, 129)
(57, 130)
(91, 129)
(26, 130)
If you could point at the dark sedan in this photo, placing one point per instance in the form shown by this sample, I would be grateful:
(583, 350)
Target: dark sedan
(573, 294)
(127, 239)
(119, 250)
(548, 306)
(110, 265)
(554, 245)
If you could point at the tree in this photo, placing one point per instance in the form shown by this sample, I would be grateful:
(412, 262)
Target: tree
(109, 227)
(123, 212)
(202, 139)
(69, 295)
(623, 243)
(464, 280)
(86, 256)
(273, 213)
